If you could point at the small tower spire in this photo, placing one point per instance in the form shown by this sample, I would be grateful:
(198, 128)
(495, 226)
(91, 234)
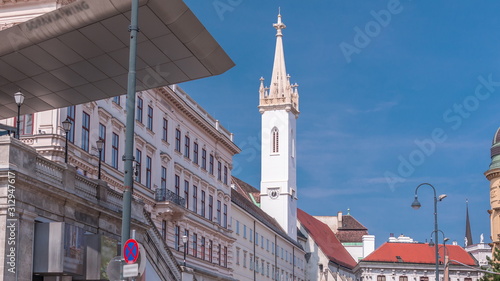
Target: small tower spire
(468, 233)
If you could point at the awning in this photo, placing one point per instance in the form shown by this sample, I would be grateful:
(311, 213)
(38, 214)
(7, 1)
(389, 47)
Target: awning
(79, 53)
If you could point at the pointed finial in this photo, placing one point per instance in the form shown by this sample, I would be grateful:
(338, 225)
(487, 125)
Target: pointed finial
(279, 25)
(348, 211)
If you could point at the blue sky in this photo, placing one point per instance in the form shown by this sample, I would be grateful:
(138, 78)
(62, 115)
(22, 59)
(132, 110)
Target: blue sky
(406, 90)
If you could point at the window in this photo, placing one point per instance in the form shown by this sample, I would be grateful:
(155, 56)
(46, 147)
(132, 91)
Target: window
(186, 233)
(244, 259)
(224, 222)
(267, 245)
(187, 144)
(211, 207)
(225, 256)
(275, 136)
(177, 237)
(138, 157)
(262, 241)
(251, 262)
(237, 227)
(262, 268)
(272, 248)
(422, 278)
(204, 159)
(256, 238)
(102, 136)
(139, 109)
(195, 199)
(195, 153)
(267, 271)
(178, 140)
(251, 235)
(225, 174)
(195, 245)
(165, 130)
(114, 150)
(210, 250)
(150, 118)
(202, 245)
(71, 117)
(244, 231)
(186, 193)
(237, 255)
(26, 124)
(203, 203)
(148, 171)
(219, 170)
(85, 131)
(382, 278)
(256, 264)
(219, 221)
(403, 278)
(211, 164)
(163, 184)
(219, 252)
(116, 100)
(164, 229)
(177, 185)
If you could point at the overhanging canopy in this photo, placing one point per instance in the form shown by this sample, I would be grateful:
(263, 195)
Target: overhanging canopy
(79, 53)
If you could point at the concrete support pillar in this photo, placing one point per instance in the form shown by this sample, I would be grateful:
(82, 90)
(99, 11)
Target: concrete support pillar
(26, 232)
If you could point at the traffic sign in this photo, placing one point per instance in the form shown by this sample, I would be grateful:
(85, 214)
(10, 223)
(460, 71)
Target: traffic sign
(131, 251)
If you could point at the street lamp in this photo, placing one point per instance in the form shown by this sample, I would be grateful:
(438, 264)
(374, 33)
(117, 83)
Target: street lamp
(66, 127)
(19, 97)
(184, 241)
(416, 205)
(100, 144)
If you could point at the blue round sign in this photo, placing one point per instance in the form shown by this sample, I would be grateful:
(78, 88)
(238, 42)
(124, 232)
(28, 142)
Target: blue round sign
(131, 251)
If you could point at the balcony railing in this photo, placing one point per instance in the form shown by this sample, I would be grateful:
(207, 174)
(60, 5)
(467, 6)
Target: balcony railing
(163, 194)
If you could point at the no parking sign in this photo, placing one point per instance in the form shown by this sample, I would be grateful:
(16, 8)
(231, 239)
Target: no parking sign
(131, 251)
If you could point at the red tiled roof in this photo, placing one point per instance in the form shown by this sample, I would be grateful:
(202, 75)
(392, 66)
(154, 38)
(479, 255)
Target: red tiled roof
(418, 253)
(326, 240)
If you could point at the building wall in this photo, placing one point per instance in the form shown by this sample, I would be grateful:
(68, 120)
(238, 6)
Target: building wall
(258, 251)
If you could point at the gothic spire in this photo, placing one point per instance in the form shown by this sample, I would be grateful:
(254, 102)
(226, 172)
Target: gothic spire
(468, 233)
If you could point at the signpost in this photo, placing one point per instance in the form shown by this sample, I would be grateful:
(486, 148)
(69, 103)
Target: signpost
(131, 251)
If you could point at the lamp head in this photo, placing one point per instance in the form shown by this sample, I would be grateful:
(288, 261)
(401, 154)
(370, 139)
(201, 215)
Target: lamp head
(431, 243)
(184, 239)
(100, 144)
(446, 239)
(416, 205)
(19, 97)
(442, 196)
(66, 125)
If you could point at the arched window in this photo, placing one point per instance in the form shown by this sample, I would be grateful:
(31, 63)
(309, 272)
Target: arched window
(275, 144)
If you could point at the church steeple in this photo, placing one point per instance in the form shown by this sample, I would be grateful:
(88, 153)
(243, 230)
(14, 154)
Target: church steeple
(280, 92)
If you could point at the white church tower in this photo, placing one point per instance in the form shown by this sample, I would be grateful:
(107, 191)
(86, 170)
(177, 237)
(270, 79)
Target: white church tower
(279, 106)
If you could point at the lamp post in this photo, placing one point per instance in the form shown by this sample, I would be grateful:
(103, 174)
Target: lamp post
(19, 97)
(66, 127)
(184, 241)
(100, 144)
(416, 205)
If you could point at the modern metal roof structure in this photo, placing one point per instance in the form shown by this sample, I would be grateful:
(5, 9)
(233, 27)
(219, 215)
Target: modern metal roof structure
(79, 53)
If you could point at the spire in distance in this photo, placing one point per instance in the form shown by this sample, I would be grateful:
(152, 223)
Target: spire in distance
(280, 92)
(468, 233)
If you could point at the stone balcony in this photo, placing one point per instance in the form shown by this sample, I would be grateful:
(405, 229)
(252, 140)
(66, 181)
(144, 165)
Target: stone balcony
(169, 206)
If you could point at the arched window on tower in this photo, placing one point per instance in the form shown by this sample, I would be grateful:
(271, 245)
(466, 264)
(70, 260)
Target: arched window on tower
(275, 144)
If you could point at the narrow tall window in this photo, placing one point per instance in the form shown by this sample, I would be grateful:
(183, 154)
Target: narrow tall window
(177, 239)
(203, 159)
(186, 193)
(178, 140)
(71, 117)
(219, 221)
(202, 246)
(219, 254)
(164, 229)
(102, 136)
(163, 184)
(219, 170)
(211, 164)
(195, 245)
(203, 203)
(177, 185)
(26, 124)
(85, 131)
(382, 278)
(186, 232)
(114, 150)
(210, 207)
(195, 152)
(139, 109)
(138, 157)
(224, 222)
(225, 174)
(148, 171)
(187, 144)
(210, 250)
(150, 118)
(165, 130)
(225, 256)
(275, 135)
(116, 100)
(195, 199)
(403, 278)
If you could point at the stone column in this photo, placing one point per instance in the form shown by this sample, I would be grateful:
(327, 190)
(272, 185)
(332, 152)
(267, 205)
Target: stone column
(26, 237)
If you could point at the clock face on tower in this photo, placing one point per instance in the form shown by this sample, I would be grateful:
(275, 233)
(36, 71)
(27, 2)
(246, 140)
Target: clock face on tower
(273, 193)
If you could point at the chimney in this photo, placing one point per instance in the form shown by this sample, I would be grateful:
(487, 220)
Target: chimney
(339, 219)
